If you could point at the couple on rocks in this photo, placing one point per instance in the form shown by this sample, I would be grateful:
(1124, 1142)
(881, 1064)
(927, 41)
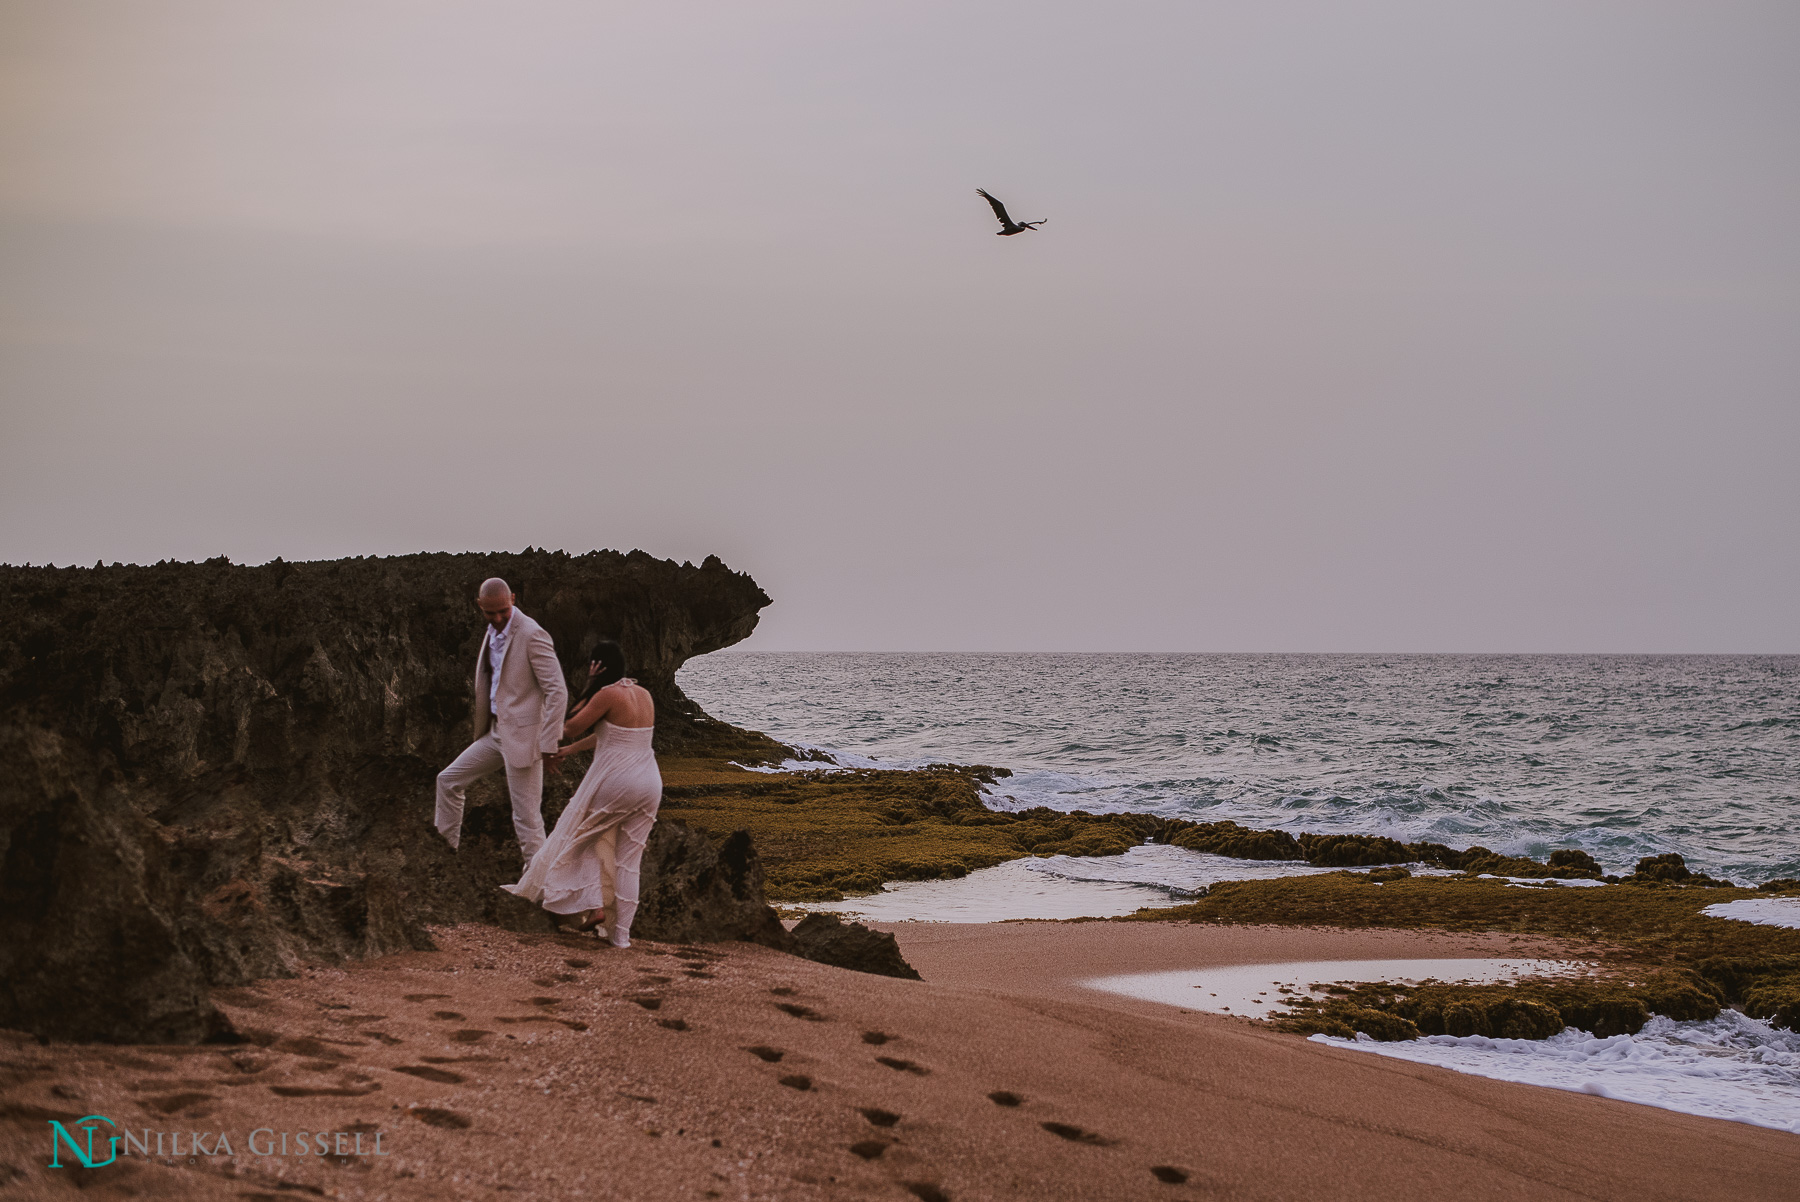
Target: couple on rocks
(588, 866)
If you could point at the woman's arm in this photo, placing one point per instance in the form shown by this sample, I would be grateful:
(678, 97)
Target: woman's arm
(591, 712)
(569, 749)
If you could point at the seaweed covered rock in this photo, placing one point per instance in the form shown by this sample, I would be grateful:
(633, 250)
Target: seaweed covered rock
(1532, 1009)
(1347, 1021)
(1671, 869)
(1576, 862)
(828, 939)
(1239, 842)
(1502, 1018)
(1668, 869)
(1767, 986)
(1566, 864)
(1352, 851)
(216, 772)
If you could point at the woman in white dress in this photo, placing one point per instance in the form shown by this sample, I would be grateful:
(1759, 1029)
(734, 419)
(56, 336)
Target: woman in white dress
(589, 864)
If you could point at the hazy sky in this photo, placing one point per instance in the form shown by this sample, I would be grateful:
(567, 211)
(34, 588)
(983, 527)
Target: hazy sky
(1355, 326)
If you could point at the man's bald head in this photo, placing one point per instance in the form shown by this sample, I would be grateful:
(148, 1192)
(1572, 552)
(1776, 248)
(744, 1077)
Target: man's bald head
(495, 600)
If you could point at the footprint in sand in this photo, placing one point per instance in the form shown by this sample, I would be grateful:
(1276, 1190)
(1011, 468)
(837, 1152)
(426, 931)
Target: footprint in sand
(649, 1003)
(700, 975)
(306, 1045)
(469, 1036)
(878, 1117)
(449, 1016)
(541, 1018)
(579, 963)
(431, 1074)
(180, 1101)
(902, 1066)
(304, 1091)
(427, 997)
(672, 1024)
(1168, 1174)
(799, 1011)
(542, 1001)
(1005, 1097)
(925, 1191)
(1074, 1134)
(877, 1037)
(784, 991)
(797, 1081)
(869, 1149)
(770, 1055)
(434, 1117)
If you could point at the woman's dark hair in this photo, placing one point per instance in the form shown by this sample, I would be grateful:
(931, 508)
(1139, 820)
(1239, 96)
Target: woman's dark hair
(611, 658)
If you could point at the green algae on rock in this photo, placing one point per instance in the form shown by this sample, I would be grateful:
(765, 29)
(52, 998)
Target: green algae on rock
(1663, 955)
(1532, 1009)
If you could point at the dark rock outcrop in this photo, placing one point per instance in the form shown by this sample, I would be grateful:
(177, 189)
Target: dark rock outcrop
(1352, 851)
(828, 939)
(1239, 842)
(1671, 869)
(694, 890)
(215, 772)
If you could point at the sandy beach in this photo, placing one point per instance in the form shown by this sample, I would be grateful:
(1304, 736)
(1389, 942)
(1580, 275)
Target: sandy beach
(547, 1066)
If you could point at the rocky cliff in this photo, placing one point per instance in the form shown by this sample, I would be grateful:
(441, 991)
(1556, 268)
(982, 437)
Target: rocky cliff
(209, 773)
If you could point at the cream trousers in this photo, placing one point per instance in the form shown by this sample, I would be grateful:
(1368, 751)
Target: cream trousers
(483, 758)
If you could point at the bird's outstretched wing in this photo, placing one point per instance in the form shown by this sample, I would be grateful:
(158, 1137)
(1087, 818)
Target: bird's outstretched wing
(999, 209)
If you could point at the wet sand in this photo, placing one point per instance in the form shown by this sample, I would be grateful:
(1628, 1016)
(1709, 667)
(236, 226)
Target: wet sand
(541, 1066)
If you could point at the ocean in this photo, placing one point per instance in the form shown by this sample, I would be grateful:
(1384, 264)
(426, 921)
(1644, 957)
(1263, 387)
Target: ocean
(1620, 756)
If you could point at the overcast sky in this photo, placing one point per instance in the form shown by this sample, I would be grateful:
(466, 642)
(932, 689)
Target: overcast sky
(1355, 326)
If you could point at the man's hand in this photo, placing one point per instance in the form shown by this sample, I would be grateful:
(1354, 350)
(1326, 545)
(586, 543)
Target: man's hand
(553, 760)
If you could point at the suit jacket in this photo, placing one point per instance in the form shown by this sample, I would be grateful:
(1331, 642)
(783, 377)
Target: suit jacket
(528, 708)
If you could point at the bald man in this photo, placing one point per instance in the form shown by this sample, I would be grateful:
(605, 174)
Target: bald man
(520, 697)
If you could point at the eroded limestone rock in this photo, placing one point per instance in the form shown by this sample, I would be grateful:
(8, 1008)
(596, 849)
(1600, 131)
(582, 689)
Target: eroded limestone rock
(213, 773)
(828, 939)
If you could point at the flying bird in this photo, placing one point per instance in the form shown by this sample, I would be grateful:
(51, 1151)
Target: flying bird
(1008, 227)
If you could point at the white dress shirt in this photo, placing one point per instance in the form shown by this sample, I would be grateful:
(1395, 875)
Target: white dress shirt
(497, 640)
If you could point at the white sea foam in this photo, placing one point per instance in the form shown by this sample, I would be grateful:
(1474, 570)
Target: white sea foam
(1764, 911)
(1729, 1067)
(834, 760)
(1148, 875)
(1183, 871)
(1003, 893)
(1536, 881)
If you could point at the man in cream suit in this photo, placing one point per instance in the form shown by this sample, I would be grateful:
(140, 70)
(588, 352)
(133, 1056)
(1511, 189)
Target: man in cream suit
(520, 697)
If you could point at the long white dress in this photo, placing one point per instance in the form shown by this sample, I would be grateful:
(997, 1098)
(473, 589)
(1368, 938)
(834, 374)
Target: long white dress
(591, 860)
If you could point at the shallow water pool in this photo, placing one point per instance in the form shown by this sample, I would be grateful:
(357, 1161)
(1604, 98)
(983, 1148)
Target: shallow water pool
(1254, 990)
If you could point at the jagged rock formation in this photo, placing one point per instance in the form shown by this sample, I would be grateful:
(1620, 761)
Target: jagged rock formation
(828, 939)
(213, 772)
(695, 890)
